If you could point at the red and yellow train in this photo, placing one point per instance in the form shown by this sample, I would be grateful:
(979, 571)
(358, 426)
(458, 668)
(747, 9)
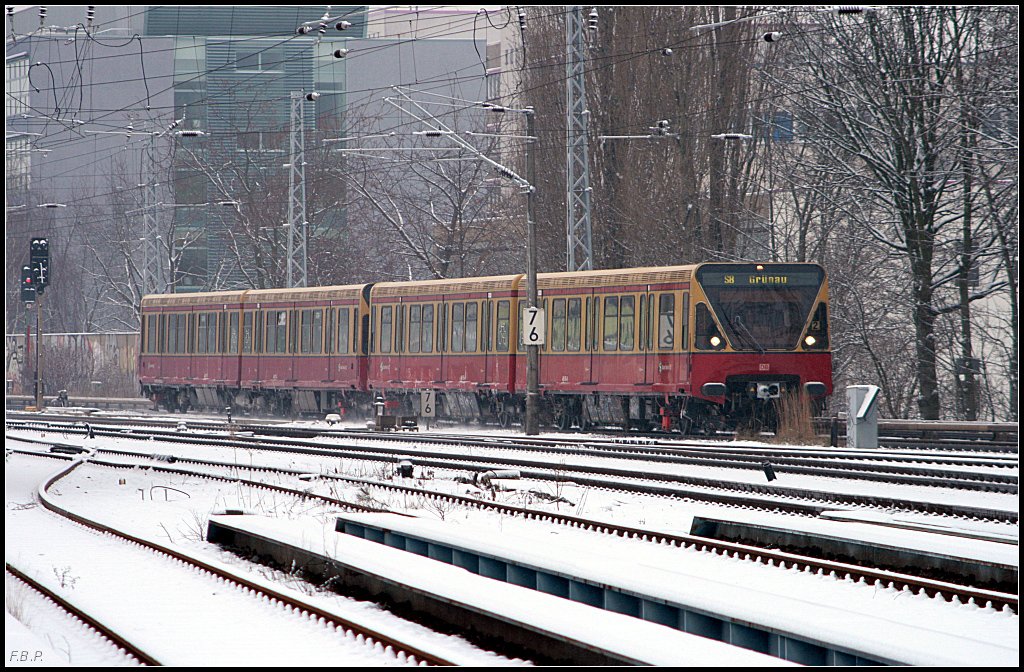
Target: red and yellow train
(681, 347)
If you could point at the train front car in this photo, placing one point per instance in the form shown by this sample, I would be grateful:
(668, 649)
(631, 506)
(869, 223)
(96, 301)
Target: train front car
(760, 334)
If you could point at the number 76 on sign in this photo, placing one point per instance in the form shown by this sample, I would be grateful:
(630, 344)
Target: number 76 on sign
(532, 329)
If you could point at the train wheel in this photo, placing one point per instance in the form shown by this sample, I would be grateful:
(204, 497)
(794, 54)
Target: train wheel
(504, 419)
(563, 416)
(685, 425)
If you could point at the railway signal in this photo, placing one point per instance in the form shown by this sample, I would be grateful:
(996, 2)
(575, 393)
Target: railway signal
(28, 285)
(39, 257)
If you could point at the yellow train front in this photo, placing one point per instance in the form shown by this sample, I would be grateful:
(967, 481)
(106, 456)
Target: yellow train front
(688, 348)
(760, 333)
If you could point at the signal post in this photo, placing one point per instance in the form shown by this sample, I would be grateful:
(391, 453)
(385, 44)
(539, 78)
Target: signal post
(34, 279)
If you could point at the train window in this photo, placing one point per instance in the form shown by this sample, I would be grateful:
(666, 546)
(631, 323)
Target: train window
(641, 342)
(233, 332)
(186, 333)
(503, 326)
(222, 333)
(684, 321)
(170, 334)
(212, 323)
(386, 318)
(651, 311)
(257, 331)
(281, 320)
(666, 321)
(706, 334)
(318, 331)
(427, 339)
(572, 326)
(522, 320)
(343, 314)
(306, 338)
(558, 325)
(485, 326)
(161, 335)
(203, 332)
(471, 325)
(442, 327)
(328, 331)
(271, 331)
(586, 324)
(458, 326)
(247, 331)
(151, 334)
(626, 322)
(611, 323)
(400, 328)
(415, 325)
(293, 331)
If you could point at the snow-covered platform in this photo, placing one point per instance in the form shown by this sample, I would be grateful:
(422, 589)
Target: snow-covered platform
(550, 627)
(796, 616)
(953, 554)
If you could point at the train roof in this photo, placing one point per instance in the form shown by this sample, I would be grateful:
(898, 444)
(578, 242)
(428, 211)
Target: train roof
(250, 296)
(450, 286)
(616, 276)
(564, 280)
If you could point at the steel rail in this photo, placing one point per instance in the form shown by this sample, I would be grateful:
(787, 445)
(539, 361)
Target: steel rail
(240, 582)
(881, 577)
(104, 631)
(443, 460)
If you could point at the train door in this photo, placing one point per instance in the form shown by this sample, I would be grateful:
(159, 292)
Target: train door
(590, 337)
(486, 340)
(645, 339)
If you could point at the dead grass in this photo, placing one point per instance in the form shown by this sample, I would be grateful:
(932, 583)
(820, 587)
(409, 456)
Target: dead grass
(796, 420)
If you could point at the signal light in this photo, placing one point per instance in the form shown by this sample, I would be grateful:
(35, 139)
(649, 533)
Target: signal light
(28, 289)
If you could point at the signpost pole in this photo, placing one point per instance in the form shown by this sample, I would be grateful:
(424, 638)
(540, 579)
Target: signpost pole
(532, 351)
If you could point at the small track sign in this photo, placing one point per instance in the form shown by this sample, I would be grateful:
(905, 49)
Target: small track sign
(533, 326)
(428, 403)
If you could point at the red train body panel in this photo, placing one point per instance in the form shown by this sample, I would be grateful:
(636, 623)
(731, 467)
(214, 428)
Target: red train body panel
(683, 346)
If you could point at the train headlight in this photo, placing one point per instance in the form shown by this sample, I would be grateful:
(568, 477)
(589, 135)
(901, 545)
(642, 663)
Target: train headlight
(715, 341)
(810, 341)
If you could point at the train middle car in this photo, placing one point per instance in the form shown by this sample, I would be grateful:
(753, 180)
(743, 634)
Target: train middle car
(684, 347)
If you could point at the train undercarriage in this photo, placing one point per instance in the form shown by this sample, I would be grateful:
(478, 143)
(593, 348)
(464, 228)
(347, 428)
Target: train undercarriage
(683, 414)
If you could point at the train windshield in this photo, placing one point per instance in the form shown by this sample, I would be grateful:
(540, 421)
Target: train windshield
(762, 307)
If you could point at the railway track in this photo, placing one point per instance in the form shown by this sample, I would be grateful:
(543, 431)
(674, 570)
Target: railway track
(258, 591)
(879, 577)
(130, 653)
(790, 499)
(995, 437)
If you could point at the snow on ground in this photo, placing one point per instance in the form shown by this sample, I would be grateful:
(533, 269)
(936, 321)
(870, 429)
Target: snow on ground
(175, 509)
(133, 589)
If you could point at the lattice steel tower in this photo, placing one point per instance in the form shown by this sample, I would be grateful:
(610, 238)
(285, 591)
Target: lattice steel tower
(297, 193)
(580, 252)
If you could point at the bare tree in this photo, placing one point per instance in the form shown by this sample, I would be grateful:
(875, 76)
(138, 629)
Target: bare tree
(883, 101)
